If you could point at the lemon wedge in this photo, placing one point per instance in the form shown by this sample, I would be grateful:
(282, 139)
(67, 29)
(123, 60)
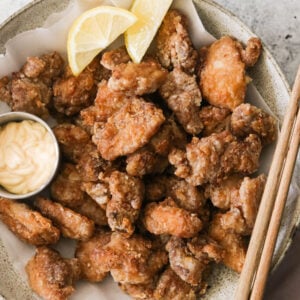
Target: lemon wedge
(138, 37)
(93, 31)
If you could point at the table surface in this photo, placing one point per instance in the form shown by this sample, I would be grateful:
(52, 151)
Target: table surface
(277, 23)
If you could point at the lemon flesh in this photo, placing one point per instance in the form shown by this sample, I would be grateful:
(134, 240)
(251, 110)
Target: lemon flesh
(93, 31)
(150, 14)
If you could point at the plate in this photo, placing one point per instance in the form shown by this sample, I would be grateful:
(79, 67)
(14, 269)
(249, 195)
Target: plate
(269, 81)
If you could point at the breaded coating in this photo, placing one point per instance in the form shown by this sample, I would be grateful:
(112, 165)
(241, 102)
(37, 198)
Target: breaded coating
(152, 158)
(110, 59)
(128, 129)
(214, 158)
(72, 140)
(247, 118)
(174, 46)
(90, 164)
(183, 97)
(222, 193)
(5, 89)
(171, 286)
(72, 94)
(32, 96)
(51, 276)
(223, 79)
(244, 205)
(184, 194)
(234, 245)
(47, 67)
(65, 188)
(139, 291)
(30, 89)
(92, 210)
(98, 191)
(28, 225)
(108, 101)
(138, 78)
(214, 119)
(252, 51)
(71, 224)
(134, 260)
(123, 208)
(92, 258)
(167, 218)
(189, 266)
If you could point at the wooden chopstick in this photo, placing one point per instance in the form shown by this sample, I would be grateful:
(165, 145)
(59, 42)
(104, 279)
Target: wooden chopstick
(267, 202)
(268, 250)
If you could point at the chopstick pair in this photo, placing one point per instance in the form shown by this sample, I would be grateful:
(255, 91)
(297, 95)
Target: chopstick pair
(264, 235)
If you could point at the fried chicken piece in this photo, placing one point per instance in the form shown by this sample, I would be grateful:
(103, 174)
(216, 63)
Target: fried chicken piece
(92, 210)
(108, 101)
(28, 225)
(71, 224)
(213, 158)
(233, 244)
(111, 59)
(72, 94)
(90, 164)
(171, 286)
(244, 205)
(152, 158)
(92, 257)
(183, 97)
(190, 265)
(32, 96)
(47, 67)
(184, 194)
(30, 89)
(247, 118)
(214, 119)
(51, 276)
(222, 193)
(72, 140)
(137, 78)
(223, 79)
(5, 90)
(139, 291)
(123, 208)
(65, 188)
(98, 191)
(128, 129)
(167, 218)
(252, 52)
(134, 260)
(174, 46)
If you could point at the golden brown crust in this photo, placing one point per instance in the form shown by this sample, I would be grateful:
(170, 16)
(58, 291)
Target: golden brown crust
(167, 218)
(91, 255)
(137, 78)
(183, 97)
(247, 119)
(222, 75)
(174, 46)
(128, 129)
(51, 276)
(71, 224)
(213, 158)
(29, 225)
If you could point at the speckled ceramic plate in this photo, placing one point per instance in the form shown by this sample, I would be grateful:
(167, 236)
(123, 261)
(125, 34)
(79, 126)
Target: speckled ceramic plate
(267, 78)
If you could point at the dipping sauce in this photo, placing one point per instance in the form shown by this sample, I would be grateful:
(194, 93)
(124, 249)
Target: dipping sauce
(27, 156)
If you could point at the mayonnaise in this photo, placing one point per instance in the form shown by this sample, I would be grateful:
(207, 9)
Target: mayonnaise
(27, 156)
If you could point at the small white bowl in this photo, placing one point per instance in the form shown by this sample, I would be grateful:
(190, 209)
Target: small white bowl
(20, 116)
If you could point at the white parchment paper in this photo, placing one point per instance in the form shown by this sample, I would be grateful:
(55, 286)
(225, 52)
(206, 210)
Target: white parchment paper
(52, 36)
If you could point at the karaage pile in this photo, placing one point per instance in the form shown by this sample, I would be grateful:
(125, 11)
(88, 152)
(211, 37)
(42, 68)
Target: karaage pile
(158, 176)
